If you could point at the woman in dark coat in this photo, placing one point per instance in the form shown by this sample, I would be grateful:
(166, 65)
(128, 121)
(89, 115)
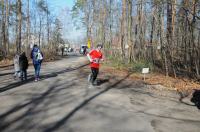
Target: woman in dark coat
(23, 63)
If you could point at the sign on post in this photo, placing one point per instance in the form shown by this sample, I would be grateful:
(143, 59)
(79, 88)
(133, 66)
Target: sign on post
(158, 47)
(145, 71)
(89, 44)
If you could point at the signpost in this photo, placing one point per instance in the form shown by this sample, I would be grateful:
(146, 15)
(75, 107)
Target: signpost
(89, 44)
(145, 71)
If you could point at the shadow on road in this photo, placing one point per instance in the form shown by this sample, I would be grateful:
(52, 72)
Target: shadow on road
(32, 110)
(34, 102)
(102, 81)
(169, 117)
(6, 66)
(43, 77)
(17, 84)
(64, 120)
(4, 74)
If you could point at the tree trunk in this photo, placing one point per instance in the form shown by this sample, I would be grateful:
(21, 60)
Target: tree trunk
(7, 27)
(19, 25)
(87, 12)
(162, 43)
(47, 13)
(195, 48)
(197, 63)
(40, 32)
(169, 35)
(28, 28)
(123, 25)
(3, 29)
(130, 27)
(110, 24)
(173, 16)
(151, 55)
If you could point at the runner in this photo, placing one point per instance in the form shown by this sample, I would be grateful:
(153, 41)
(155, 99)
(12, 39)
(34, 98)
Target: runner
(94, 56)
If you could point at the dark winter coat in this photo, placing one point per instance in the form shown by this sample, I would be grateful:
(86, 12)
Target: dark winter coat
(23, 62)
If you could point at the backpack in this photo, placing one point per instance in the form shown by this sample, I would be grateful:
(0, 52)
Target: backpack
(38, 56)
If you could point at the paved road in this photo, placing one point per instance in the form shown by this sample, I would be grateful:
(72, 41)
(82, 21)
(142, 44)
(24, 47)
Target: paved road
(63, 101)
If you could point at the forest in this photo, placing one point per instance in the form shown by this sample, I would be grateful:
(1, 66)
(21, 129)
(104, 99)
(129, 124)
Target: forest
(24, 23)
(163, 33)
(159, 33)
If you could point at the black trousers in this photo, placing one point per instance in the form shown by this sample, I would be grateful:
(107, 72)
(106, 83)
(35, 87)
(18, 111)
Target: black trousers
(95, 72)
(23, 75)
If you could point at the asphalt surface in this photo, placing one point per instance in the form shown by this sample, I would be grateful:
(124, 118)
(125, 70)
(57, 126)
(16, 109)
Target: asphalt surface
(63, 101)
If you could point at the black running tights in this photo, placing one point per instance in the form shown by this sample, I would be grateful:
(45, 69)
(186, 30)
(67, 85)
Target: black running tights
(95, 72)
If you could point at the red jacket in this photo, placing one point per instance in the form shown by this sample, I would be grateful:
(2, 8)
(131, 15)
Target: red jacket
(96, 56)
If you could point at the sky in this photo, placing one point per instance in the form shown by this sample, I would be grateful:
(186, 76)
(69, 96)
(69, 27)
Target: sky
(62, 8)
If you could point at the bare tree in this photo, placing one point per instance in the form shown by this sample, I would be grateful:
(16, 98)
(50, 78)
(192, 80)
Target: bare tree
(19, 25)
(130, 28)
(28, 26)
(123, 27)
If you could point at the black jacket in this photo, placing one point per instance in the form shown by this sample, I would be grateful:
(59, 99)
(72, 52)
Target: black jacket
(23, 62)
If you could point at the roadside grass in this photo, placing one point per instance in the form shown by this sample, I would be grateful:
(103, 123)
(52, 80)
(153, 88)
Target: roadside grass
(117, 67)
(120, 64)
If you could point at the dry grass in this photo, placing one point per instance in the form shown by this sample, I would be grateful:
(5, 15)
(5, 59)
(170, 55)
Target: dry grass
(6, 62)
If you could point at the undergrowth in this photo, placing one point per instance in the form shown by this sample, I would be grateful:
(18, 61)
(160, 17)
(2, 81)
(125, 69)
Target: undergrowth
(136, 66)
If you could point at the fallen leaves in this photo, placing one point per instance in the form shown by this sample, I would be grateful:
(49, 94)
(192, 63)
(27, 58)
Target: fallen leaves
(171, 83)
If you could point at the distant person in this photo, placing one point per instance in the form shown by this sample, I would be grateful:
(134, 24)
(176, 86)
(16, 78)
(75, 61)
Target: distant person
(23, 63)
(37, 57)
(84, 50)
(94, 56)
(16, 66)
(62, 50)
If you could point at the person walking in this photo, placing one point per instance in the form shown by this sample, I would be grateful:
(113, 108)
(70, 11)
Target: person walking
(62, 50)
(95, 56)
(84, 50)
(37, 57)
(23, 63)
(16, 66)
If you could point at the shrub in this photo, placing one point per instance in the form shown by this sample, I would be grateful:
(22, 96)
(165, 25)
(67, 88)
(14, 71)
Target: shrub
(137, 66)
